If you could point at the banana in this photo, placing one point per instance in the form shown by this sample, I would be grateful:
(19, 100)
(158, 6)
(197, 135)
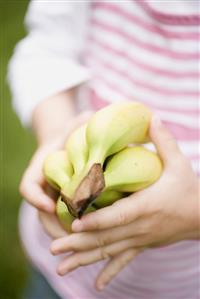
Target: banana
(108, 131)
(64, 215)
(114, 127)
(132, 169)
(99, 165)
(77, 149)
(57, 169)
(107, 198)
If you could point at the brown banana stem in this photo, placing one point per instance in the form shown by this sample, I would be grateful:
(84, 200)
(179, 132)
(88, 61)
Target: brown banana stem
(90, 187)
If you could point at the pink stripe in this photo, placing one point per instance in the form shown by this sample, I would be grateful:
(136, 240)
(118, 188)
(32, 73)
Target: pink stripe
(135, 62)
(146, 46)
(180, 132)
(143, 84)
(148, 26)
(195, 157)
(169, 19)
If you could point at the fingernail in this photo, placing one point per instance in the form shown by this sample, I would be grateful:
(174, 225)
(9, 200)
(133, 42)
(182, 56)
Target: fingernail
(77, 226)
(101, 287)
(60, 271)
(49, 207)
(53, 249)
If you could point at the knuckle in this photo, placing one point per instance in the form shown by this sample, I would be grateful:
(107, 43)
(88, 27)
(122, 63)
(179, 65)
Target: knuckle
(104, 254)
(78, 261)
(121, 218)
(130, 255)
(103, 239)
(100, 241)
(39, 205)
(97, 225)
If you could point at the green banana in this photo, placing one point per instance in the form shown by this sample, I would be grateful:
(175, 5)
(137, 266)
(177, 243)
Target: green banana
(109, 130)
(57, 169)
(64, 215)
(132, 169)
(77, 149)
(107, 198)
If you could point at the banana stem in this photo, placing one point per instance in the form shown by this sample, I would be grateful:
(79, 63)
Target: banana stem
(89, 188)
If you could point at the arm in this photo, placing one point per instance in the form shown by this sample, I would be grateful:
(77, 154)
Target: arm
(47, 60)
(42, 72)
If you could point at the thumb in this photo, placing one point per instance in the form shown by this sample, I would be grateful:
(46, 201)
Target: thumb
(164, 141)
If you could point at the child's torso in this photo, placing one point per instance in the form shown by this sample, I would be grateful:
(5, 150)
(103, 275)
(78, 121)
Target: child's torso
(136, 53)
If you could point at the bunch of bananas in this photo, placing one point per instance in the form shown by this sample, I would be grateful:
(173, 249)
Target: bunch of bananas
(103, 161)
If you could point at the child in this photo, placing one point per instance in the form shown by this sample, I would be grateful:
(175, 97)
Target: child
(81, 55)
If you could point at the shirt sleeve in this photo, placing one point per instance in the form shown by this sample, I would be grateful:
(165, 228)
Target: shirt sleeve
(48, 59)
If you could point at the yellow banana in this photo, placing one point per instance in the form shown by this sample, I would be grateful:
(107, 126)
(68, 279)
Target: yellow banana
(77, 149)
(132, 169)
(108, 131)
(57, 169)
(114, 127)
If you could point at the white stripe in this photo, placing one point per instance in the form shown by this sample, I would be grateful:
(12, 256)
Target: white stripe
(188, 148)
(178, 7)
(152, 98)
(182, 119)
(175, 117)
(144, 55)
(122, 64)
(131, 6)
(111, 18)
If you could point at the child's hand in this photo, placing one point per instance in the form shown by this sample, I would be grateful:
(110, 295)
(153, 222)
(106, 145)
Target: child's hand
(51, 225)
(33, 183)
(165, 213)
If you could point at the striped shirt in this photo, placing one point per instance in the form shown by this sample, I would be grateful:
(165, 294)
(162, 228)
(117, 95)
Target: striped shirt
(139, 50)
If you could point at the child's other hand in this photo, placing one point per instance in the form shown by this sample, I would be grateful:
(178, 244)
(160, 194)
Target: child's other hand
(51, 225)
(162, 214)
(33, 184)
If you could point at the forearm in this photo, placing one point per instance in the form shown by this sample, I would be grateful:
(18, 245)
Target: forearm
(52, 115)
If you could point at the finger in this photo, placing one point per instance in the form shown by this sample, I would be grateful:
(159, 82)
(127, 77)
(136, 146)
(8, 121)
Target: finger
(92, 256)
(120, 213)
(164, 141)
(114, 266)
(35, 195)
(51, 225)
(90, 240)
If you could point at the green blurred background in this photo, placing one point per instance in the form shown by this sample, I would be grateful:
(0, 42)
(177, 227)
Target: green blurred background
(17, 145)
